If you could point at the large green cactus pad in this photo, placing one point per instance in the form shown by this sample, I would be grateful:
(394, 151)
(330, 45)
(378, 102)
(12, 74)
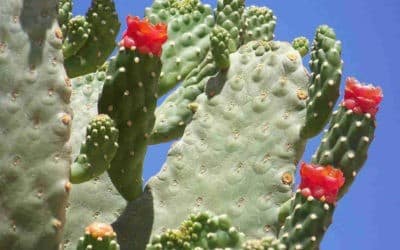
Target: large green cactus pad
(231, 158)
(35, 122)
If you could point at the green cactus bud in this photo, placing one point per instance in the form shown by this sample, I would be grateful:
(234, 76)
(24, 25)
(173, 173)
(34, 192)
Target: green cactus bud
(78, 33)
(301, 44)
(97, 151)
(258, 23)
(199, 231)
(221, 47)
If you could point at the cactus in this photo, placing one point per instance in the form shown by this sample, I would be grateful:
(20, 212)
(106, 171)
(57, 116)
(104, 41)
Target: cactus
(90, 39)
(35, 125)
(242, 115)
(97, 151)
(98, 236)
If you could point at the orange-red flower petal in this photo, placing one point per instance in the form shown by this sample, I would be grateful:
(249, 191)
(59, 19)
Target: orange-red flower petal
(321, 182)
(362, 98)
(146, 37)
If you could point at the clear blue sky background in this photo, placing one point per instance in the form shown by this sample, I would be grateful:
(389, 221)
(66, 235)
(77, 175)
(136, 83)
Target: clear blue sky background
(367, 217)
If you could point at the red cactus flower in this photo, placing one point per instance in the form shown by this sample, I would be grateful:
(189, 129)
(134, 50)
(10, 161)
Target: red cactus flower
(362, 98)
(321, 182)
(143, 35)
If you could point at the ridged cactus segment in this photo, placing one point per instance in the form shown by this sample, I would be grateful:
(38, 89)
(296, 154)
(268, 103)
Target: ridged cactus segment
(258, 23)
(129, 97)
(64, 14)
(177, 110)
(189, 24)
(98, 236)
(221, 47)
(97, 150)
(199, 231)
(345, 144)
(35, 123)
(326, 67)
(104, 24)
(301, 44)
(258, 106)
(78, 33)
(307, 223)
(228, 16)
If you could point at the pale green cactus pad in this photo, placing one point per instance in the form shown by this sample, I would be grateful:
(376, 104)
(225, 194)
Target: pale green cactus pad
(232, 159)
(35, 124)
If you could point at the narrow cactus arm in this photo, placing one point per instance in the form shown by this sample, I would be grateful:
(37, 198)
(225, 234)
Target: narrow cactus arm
(199, 231)
(326, 67)
(78, 33)
(312, 207)
(129, 97)
(97, 150)
(351, 131)
(98, 236)
(344, 146)
(258, 23)
(301, 44)
(177, 110)
(228, 16)
(35, 122)
(64, 14)
(104, 26)
(189, 24)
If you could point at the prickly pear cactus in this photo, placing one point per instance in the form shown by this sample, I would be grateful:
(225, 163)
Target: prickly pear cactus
(242, 112)
(35, 124)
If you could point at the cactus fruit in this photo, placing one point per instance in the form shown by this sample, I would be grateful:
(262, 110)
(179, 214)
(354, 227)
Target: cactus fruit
(98, 236)
(242, 115)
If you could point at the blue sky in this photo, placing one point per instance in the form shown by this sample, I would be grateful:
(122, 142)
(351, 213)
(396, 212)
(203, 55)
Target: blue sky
(368, 216)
